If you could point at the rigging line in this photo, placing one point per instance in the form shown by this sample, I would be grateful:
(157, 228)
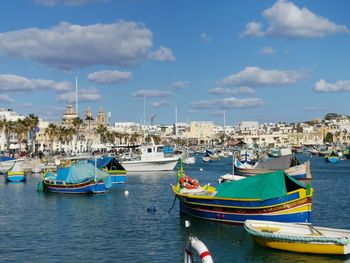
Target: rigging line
(172, 206)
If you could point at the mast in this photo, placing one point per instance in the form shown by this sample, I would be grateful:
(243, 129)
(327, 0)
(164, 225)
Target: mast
(76, 95)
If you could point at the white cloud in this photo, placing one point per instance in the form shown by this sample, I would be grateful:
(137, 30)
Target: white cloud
(253, 29)
(205, 38)
(257, 77)
(5, 98)
(69, 46)
(267, 51)
(162, 54)
(67, 2)
(161, 104)
(109, 77)
(230, 91)
(84, 95)
(152, 93)
(322, 86)
(227, 103)
(14, 83)
(287, 20)
(180, 84)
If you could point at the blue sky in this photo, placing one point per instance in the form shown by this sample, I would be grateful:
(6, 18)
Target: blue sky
(266, 61)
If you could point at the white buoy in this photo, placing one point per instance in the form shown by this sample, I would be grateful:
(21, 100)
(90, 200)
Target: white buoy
(201, 169)
(126, 193)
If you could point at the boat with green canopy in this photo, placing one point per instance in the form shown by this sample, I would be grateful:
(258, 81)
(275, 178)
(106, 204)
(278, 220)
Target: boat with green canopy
(272, 196)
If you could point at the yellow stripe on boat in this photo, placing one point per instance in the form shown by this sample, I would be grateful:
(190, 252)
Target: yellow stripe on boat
(302, 247)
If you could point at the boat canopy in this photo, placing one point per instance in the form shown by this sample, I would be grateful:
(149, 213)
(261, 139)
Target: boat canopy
(110, 163)
(6, 158)
(262, 186)
(82, 172)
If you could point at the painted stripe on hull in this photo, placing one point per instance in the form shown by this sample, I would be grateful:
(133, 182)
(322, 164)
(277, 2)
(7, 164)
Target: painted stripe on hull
(16, 178)
(86, 188)
(237, 203)
(302, 217)
(118, 179)
(317, 248)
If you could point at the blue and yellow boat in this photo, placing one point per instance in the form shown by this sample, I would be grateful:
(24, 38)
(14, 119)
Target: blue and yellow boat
(273, 196)
(113, 167)
(333, 157)
(81, 178)
(15, 174)
(303, 238)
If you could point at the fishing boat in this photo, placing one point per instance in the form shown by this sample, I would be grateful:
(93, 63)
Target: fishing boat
(297, 237)
(82, 178)
(16, 174)
(288, 163)
(272, 196)
(333, 157)
(113, 167)
(6, 163)
(150, 158)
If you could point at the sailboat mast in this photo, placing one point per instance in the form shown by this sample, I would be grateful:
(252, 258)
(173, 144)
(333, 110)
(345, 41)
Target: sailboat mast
(76, 95)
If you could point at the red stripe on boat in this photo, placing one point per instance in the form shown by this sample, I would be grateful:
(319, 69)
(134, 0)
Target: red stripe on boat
(204, 254)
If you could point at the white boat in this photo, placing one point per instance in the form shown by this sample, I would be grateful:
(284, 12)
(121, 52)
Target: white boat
(298, 237)
(6, 163)
(151, 158)
(189, 160)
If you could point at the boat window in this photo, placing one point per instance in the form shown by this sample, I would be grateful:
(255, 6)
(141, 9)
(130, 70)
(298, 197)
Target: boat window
(149, 150)
(160, 149)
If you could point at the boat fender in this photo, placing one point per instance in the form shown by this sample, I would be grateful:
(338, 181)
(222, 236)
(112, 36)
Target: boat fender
(195, 244)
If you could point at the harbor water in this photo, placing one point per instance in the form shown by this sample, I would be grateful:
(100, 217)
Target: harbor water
(143, 226)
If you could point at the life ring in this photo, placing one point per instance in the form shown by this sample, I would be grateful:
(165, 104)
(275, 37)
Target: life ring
(194, 243)
(188, 182)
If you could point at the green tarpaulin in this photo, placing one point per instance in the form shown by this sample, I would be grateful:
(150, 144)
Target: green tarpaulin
(262, 186)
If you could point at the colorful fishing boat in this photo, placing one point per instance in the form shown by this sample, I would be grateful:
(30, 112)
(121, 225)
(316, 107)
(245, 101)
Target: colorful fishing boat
(303, 238)
(291, 167)
(333, 157)
(16, 174)
(83, 178)
(272, 196)
(113, 167)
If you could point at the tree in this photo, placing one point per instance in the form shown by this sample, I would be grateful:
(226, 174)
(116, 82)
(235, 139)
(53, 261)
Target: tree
(32, 122)
(77, 122)
(21, 129)
(101, 130)
(52, 132)
(329, 138)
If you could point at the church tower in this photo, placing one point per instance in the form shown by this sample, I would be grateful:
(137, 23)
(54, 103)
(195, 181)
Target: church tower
(69, 115)
(101, 117)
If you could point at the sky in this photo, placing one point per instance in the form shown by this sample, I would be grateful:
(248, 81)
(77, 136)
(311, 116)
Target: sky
(186, 60)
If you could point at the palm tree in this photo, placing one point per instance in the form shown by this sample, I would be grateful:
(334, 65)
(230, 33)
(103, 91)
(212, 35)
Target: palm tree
(8, 130)
(77, 122)
(89, 118)
(21, 129)
(52, 132)
(101, 130)
(32, 122)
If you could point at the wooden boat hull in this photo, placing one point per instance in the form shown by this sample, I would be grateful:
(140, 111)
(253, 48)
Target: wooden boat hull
(314, 248)
(117, 176)
(295, 207)
(150, 166)
(299, 172)
(16, 178)
(299, 237)
(89, 187)
(332, 159)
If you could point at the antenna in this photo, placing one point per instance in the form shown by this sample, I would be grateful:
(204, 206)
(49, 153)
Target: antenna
(144, 108)
(76, 95)
(175, 114)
